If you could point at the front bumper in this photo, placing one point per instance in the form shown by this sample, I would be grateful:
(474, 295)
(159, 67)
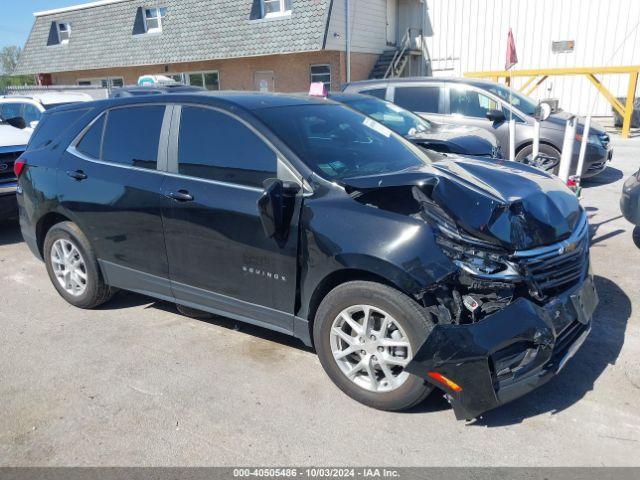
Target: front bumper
(509, 353)
(630, 199)
(596, 159)
(8, 204)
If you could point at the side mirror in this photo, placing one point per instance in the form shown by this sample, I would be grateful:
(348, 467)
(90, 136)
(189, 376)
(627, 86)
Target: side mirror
(276, 205)
(543, 110)
(496, 116)
(33, 124)
(17, 122)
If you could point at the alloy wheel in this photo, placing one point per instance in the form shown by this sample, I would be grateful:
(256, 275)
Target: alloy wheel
(69, 267)
(370, 348)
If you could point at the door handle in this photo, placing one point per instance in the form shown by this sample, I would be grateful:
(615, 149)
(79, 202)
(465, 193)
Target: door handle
(77, 174)
(180, 196)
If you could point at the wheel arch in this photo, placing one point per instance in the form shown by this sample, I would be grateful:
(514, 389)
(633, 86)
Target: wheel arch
(45, 224)
(528, 143)
(342, 276)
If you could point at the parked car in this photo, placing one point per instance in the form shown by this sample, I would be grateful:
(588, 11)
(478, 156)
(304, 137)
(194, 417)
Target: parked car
(25, 111)
(630, 203)
(153, 90)
(484, 104)
(13, 142)
(407, 270)
(424, 133)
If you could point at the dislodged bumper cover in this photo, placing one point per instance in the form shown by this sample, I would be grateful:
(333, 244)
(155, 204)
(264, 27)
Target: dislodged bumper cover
(508, 353)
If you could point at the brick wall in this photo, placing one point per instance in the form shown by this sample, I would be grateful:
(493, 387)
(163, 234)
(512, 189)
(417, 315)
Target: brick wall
(291, 71)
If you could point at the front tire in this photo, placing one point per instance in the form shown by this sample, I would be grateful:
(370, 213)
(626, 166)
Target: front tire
(525, 154)
(365, 333)
(73, 268)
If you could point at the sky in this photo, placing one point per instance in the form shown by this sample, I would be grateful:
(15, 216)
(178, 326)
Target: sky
(16, 17)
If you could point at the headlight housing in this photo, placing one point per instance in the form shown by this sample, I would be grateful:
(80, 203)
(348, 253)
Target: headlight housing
(478, 262)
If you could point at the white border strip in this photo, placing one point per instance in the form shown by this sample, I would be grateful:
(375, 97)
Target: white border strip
(76, 7)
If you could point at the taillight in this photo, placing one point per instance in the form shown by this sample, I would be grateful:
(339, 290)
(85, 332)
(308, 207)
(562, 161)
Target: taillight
(18, 167)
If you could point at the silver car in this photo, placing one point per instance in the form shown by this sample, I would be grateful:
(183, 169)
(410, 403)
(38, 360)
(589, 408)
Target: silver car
(485, 104)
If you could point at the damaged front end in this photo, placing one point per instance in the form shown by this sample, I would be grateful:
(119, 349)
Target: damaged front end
(506, 322)
(519, 299)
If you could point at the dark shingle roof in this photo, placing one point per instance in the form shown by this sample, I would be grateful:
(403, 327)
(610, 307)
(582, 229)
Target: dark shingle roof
(102, 36)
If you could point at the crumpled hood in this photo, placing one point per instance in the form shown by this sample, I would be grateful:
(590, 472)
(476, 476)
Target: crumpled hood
(13, 137)
(464, 140)
(510, 205)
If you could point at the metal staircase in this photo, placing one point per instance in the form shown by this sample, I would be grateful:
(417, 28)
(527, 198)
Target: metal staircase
(392, 63)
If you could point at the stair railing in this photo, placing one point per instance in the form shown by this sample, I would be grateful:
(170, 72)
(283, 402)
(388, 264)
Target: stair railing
(405, 44)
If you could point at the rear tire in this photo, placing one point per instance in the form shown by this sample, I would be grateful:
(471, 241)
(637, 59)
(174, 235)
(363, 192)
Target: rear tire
(73, 268)
(380, 380)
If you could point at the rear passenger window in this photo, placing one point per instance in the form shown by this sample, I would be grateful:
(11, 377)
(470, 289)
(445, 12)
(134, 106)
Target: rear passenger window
(376, 92)
(90, 143)
(132, 135)
(418, 99)
(215, 146)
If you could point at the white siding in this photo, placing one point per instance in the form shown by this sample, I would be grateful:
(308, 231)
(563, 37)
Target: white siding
(471, 35)
(368, 26)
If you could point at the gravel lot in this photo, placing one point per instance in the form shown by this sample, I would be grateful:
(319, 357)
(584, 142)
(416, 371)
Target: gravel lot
(136, 383)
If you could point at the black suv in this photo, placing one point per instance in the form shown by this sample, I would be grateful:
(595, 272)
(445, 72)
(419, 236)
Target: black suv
(406, 270)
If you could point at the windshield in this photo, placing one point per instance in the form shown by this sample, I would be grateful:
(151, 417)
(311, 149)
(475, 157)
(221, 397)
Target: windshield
(338, 143)
(518, 100)
(396, 118)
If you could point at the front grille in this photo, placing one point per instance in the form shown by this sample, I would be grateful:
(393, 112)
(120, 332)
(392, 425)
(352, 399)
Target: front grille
(552, 270)
(6, 166)
(596, 166)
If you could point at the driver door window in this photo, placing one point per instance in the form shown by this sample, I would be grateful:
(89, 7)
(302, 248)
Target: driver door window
(215, 146)
(470, 103)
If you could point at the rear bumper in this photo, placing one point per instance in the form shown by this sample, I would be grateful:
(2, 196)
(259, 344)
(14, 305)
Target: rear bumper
(8, 203)
(509, 353)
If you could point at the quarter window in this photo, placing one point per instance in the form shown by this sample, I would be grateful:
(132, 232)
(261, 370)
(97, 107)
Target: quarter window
(321, 73)
(132, 135)
(380, 93)
(418, 99)
(92, 140)
(64, 33)
(215, 146)
(153, 18)
(470, 103)
(275, 8)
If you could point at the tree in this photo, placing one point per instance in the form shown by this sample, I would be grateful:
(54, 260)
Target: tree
(9, 58)
(8, 63)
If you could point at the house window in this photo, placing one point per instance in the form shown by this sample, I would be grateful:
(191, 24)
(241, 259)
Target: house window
(208, 80)
(153, 18)
(64, 33)
(275, 8)
(321, 73)
(108, 82)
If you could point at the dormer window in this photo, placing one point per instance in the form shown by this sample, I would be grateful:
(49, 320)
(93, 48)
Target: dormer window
(64, 33)
(153, 18)
(275, 8)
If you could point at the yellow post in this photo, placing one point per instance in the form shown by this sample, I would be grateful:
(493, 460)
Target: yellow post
(628, 109)
(527, 83)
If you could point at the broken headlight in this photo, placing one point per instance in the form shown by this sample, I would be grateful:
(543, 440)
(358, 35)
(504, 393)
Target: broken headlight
(477, 261)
